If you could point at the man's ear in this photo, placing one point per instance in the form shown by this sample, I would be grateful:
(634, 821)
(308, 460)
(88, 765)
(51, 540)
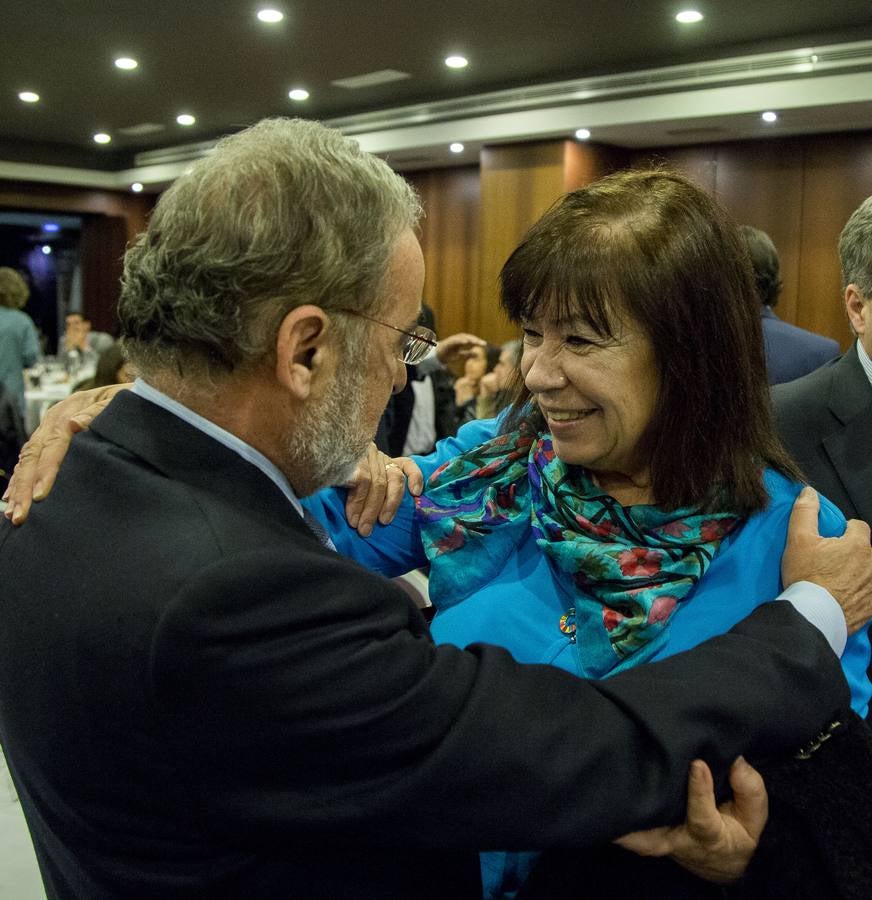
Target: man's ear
(858, 310)
(301, 349)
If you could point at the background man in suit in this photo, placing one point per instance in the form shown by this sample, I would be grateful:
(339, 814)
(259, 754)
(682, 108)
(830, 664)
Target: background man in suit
(199, 698)
(825, 418)
(791, 352)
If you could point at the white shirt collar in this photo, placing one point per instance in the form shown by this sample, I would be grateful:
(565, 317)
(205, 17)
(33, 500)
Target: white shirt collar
(865, 361)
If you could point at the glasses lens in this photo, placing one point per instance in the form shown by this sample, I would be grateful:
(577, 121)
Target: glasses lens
(415, 350)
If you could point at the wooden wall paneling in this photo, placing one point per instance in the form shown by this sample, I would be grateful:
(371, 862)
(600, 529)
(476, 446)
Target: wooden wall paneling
(518, 183)
(102, 248)
(450, 241)
(838, 177)
(761, 184)
(584, 163)
(699, 163)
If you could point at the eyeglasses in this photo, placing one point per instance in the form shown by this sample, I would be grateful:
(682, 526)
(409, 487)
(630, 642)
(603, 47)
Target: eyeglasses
(419, 342)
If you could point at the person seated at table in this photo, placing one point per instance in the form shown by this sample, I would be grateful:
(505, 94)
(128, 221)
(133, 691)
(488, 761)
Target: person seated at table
(112, 368)
(635, 499)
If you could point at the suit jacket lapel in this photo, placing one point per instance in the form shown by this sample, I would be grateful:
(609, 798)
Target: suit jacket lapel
(850, 449)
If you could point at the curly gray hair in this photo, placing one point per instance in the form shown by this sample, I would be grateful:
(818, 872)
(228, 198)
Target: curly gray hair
(855, 249)
(285, 213)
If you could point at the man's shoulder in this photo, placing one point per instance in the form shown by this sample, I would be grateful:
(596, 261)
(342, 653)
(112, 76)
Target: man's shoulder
(811, 389)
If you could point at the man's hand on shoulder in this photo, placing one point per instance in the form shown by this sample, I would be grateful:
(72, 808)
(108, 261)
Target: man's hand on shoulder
(842, 565)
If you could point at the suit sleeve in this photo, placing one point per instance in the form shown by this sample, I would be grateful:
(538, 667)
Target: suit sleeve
(317, 703)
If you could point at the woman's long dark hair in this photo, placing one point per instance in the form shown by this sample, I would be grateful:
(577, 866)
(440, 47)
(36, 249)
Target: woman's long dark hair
(654, 246)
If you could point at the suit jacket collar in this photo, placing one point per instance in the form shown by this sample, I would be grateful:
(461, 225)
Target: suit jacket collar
(184, 453)
(850, 401)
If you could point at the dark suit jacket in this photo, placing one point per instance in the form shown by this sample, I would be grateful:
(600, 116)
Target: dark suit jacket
(792, 352)
(825, 421)
(198, 699)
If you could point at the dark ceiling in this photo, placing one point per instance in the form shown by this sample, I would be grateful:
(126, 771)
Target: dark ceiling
(216, 61)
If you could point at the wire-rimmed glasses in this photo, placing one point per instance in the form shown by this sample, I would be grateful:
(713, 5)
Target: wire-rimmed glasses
(419, 342)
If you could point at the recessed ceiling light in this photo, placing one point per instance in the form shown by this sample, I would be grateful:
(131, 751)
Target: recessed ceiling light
(270, 16)
(28, 97)
(185, 119)
(46, 249)
(456, 147)
(298, 94)
(582, 134)
(456, 62)
(689, 16)
(126, 62)
(102, 138)
(136, 187)
(769, 117)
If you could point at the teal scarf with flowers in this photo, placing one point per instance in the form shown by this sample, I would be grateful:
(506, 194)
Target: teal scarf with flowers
(626, 568)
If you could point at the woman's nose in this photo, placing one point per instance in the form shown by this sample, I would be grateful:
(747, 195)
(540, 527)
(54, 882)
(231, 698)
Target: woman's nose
(545, 374)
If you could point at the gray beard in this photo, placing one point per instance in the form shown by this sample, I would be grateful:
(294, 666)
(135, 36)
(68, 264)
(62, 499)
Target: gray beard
(328, 444)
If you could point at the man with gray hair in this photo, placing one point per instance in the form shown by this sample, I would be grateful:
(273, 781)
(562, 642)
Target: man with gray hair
(200, 698)
(825, 418)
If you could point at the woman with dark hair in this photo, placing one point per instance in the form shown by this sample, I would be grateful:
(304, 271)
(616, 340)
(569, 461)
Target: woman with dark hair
(635, 499)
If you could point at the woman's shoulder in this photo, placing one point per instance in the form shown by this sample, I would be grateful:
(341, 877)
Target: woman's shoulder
(783, 492)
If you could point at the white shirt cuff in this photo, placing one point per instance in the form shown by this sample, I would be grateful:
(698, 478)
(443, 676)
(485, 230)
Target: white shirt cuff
(818, 606)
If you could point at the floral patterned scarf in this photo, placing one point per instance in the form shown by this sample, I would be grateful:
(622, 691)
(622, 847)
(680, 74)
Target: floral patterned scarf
(626, 568)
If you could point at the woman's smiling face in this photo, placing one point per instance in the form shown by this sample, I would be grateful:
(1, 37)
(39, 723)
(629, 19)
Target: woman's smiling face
(598, 395)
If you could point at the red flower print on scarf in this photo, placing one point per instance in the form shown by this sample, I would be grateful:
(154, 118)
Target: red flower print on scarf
(661, 609)
(639, 562)
(602, 529)
(675, 529)
(450, 542)
(715, 529)
(506, 498)
(612, 618)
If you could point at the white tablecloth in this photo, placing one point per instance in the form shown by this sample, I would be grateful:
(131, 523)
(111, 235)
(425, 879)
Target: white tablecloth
(38, 400)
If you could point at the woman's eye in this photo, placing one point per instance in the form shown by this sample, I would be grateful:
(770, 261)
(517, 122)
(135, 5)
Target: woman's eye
(531, 337)
(577, 341)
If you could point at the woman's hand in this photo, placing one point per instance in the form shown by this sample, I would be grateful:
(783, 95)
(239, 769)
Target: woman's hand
(42, 455)
(377, 488)
(715, 842)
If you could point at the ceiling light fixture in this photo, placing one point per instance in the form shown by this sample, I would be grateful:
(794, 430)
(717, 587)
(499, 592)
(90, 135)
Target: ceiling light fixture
(186, 119)
(270, 16)
(51, 227)
(769, 116)
(46, 249)
(689, 17)
(102, 138)
(126, 62)
(456, 62)
(298, 94)
(456, 147)
(582, 134)
(136, 187)
(28, 97)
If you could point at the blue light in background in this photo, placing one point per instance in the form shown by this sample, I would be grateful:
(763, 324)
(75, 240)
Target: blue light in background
(51, 226)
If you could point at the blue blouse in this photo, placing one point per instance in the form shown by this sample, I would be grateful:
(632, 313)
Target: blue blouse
(521, 608)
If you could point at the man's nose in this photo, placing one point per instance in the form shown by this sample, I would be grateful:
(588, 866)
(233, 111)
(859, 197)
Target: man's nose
(400, 376)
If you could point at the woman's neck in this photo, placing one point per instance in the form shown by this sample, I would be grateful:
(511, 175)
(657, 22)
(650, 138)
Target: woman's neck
(628, 490)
